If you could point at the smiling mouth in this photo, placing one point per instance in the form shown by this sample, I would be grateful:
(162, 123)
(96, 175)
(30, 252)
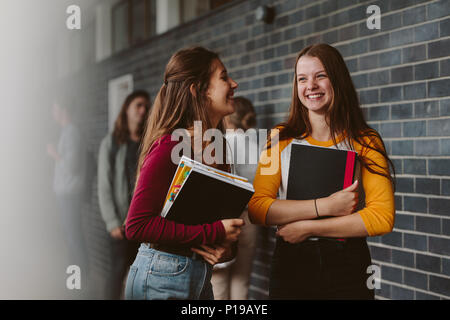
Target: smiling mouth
(315, 96)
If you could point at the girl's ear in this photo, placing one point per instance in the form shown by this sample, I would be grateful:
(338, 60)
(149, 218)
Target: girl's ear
(192, 89)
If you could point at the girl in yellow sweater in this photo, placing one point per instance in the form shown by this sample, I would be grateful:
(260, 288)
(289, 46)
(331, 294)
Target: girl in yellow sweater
(311, 260)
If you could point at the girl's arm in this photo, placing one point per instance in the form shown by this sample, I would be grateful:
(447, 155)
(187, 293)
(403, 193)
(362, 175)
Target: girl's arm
(379, 212)
(376, 218)
(286, 211)
(337, 227)
(265, 209)
(144, 222)
(338, 204)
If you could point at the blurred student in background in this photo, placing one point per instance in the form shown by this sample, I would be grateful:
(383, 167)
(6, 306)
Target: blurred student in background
(117, 164)
(230, 280)
(69, 183)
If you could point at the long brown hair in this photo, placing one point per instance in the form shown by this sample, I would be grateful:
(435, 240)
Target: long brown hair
(344, 115)
(176, 107)
(121, 132)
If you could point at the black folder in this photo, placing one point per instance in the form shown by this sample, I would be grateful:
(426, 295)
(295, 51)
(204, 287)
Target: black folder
(317, 172)
(207, 195)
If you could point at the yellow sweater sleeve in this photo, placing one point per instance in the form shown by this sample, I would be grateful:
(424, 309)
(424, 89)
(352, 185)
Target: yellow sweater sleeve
(266, 187)
(266, 183)
(379, 213)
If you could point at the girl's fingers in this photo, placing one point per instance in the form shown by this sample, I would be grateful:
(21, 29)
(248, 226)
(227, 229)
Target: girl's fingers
(220, 246)
(206, 255)
(208, 249)
(201, 252)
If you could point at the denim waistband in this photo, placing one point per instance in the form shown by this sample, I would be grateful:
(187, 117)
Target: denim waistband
(147, 250)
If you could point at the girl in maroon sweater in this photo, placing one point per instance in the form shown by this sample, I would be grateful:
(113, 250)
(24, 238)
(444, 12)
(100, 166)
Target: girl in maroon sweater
(175, 260)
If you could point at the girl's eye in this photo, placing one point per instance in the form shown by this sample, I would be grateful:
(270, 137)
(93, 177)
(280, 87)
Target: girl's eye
(301, 79)
(321, 75)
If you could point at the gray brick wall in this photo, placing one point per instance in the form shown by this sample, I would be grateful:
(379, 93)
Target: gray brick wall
(402, 76)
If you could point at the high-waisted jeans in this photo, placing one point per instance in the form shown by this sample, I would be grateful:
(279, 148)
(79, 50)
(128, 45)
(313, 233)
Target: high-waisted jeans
(158, 275)
(321, 269)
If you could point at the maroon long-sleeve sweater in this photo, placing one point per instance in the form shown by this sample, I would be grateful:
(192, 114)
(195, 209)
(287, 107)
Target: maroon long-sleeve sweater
(144, 222)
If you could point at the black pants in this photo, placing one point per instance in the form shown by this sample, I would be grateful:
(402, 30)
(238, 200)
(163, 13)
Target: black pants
(123, 253)
(322, 269)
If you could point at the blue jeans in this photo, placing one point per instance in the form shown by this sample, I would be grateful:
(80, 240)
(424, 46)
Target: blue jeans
(157, 275)
(323, 269)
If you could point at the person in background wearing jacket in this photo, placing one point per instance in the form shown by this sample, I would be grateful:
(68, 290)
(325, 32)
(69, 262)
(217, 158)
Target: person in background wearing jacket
(117, 163)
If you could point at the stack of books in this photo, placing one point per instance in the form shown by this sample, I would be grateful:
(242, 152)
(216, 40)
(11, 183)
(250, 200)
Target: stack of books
(202, 194)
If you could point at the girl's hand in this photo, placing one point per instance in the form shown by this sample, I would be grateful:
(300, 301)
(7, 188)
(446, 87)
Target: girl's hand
(340, 203)
(232, 229)
(216, 254)
(295, 232)
(51, 150)
(117, 233)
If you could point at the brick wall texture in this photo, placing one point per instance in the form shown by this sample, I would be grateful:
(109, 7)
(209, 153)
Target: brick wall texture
(402, 74)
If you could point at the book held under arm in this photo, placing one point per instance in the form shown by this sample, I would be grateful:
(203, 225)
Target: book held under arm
(317, 172)
(202, 194)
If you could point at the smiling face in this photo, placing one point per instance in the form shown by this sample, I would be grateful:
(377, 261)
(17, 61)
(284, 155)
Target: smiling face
(313, 85)
(220, 92)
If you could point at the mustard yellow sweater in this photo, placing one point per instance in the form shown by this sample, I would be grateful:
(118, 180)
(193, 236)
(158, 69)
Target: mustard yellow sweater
(376, 207)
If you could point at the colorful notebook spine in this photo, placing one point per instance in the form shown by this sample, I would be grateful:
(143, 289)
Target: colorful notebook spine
(184, 168)
(180, 175)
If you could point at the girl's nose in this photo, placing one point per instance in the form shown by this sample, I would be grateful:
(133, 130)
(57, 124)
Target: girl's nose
(234, 84)
(311, 84)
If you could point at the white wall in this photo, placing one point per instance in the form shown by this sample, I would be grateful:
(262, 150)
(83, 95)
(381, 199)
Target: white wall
(103, 29)
(167, 15)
